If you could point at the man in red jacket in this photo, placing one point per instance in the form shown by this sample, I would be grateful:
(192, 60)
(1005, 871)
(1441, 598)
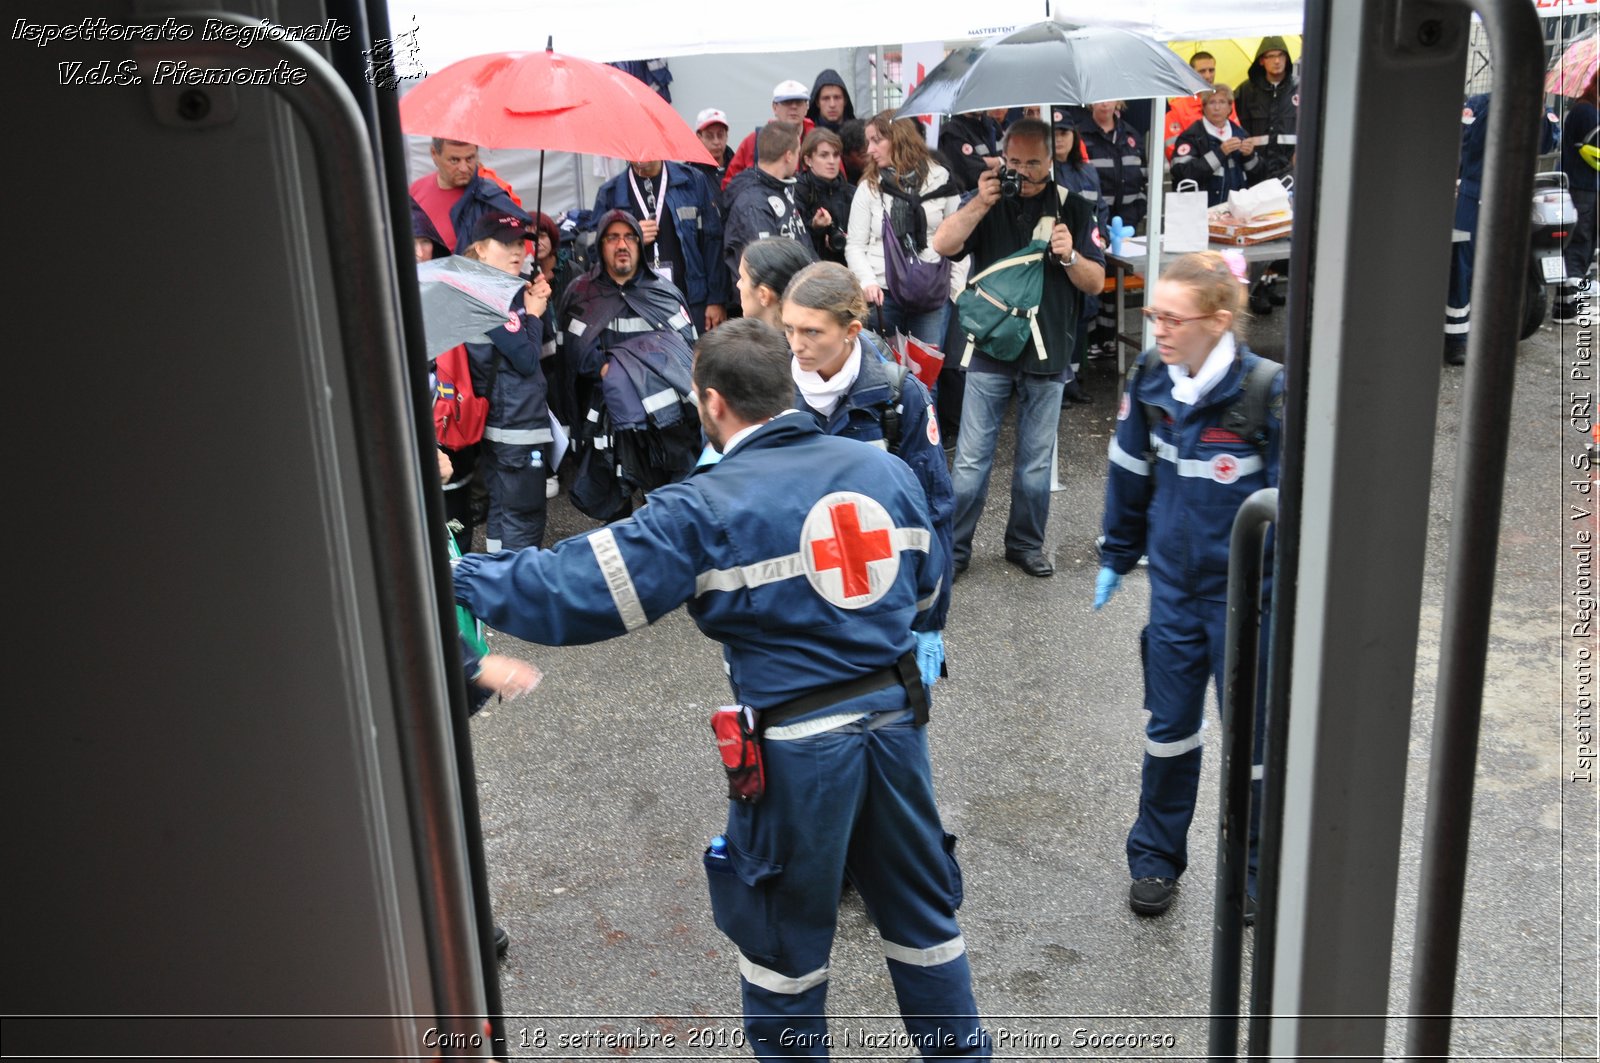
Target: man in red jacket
(789, 102)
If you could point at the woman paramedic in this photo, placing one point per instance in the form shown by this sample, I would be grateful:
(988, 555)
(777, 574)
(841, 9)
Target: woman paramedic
(1198, 431)
(852, 390)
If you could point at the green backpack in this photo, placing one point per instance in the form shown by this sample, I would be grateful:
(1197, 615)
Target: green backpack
(1000, 306)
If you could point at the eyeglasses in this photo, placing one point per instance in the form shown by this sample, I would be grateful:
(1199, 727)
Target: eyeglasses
(618, 238)
(1170, 321)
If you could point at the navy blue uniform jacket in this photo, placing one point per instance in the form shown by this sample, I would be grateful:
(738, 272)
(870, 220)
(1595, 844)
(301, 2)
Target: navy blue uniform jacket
(859, 415)
(810, 558)
(1179, 507)
(692, 206)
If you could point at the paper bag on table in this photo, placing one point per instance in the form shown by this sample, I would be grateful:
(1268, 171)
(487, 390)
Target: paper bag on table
(1268, 197)
(1185, 210)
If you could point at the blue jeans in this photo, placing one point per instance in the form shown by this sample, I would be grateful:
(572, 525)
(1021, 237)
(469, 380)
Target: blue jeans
(1038, 416)
(927, 326)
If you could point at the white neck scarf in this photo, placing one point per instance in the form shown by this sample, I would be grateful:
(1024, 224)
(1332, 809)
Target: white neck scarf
(1221, 132)
(1189, 390)
(824, 395)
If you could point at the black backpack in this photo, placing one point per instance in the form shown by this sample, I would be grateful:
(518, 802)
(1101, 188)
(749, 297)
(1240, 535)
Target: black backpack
(889, 413)
(1246, 416)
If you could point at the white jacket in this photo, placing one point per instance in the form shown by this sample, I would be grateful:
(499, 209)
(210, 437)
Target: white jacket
(863, 252)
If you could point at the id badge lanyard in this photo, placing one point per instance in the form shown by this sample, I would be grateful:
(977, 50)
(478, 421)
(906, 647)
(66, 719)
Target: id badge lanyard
(661, 206)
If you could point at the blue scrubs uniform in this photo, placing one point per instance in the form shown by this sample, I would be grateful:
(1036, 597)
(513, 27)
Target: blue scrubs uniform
(1175, 484)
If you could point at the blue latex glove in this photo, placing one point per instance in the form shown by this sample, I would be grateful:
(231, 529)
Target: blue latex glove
(930, 655)
(1105, 585)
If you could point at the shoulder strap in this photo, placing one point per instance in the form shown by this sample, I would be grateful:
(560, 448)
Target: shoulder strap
(1023, 256)
(891, 412)
(1152, 413)
(1247, 417)
(895, 371)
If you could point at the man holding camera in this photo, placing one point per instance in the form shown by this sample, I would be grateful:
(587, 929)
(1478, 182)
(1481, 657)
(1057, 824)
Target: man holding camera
(998, 219)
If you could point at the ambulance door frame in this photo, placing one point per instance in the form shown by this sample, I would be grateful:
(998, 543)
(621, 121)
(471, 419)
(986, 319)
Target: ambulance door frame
(1380, 82)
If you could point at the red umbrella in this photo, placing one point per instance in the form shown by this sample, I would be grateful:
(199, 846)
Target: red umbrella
(552, 102)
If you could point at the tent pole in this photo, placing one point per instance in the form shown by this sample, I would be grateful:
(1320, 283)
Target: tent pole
(1156, 180)
(880, 93)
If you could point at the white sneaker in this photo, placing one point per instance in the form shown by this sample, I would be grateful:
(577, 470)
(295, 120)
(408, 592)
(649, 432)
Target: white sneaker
(552, 487)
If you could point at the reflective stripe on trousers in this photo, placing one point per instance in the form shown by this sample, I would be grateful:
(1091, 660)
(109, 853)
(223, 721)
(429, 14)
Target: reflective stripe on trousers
(777, 897)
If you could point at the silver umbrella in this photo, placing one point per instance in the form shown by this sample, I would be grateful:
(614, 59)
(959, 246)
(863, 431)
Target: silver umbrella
(1050, 62)
(462, 299)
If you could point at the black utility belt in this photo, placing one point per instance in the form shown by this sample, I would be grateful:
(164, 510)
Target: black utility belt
(903, 672)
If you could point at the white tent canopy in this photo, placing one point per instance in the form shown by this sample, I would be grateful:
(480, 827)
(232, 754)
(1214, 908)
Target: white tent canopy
(612, 30)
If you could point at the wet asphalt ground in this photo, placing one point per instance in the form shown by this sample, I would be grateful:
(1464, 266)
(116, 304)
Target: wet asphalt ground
(600, 790)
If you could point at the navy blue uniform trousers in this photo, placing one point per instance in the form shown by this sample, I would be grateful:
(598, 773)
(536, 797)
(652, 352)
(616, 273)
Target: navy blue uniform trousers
(1183, 647)
(858, 798)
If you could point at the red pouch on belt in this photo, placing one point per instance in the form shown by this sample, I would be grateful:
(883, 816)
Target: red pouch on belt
(740, 747)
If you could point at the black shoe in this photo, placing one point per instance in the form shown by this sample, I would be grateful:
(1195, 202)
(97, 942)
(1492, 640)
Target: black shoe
(959, 570)
(1152, 896)
(1275, 297)
(1073, 393)
(1260, 301)
(1454, 355)
(502, 942)
(1250, 909)
(1032, 564)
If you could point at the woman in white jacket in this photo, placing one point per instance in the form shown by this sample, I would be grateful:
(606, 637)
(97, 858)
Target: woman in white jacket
(902, 179)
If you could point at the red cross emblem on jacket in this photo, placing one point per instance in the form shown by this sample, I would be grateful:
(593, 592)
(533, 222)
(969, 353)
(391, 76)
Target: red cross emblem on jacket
(847, 549)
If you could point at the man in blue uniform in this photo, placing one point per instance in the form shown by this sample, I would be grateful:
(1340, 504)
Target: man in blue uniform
(616, 301)
(810, 558)
(681, 230)
(1458, 298)
(761, 202)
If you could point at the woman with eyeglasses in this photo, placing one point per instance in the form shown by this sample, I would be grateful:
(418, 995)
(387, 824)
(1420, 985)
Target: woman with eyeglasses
(1199, 430)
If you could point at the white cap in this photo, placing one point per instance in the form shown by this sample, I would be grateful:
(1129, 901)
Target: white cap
(709, 116)
(790, 90)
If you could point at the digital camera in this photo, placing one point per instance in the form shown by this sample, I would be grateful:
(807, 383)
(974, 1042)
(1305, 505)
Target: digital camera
(1010, 182)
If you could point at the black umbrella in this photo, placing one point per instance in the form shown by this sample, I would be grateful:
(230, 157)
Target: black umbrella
(1055, 63)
